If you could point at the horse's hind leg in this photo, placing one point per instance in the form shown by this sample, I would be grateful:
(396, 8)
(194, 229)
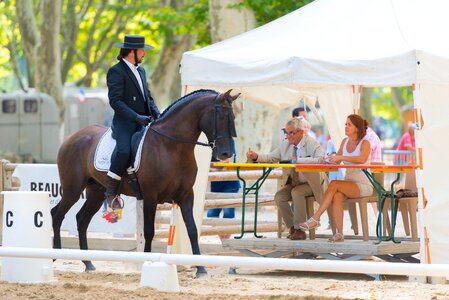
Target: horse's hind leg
(187, 214)
(94, 199)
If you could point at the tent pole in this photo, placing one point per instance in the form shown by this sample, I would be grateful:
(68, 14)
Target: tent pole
(356, 90)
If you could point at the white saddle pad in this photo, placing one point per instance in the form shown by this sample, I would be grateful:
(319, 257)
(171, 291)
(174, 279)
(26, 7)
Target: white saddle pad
(103, 153)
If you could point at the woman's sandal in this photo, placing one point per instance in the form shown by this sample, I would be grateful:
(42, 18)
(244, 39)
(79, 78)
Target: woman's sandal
(338, 237)
(309, 224)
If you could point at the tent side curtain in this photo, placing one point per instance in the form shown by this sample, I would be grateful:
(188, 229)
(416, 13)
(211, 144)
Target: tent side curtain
(432, 138)
(336, 104)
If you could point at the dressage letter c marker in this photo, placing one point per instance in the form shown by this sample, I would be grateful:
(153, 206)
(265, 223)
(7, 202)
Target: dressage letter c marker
(37, 221)
(8, 221)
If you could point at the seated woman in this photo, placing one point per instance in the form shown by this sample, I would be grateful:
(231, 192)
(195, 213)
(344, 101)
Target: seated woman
(354, 149)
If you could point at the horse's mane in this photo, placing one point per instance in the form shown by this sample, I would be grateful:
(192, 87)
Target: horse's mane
(184, 99)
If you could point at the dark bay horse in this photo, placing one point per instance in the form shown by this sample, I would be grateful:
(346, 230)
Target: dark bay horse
(167, 170)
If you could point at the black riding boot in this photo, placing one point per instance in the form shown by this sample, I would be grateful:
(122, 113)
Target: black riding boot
(112, 195)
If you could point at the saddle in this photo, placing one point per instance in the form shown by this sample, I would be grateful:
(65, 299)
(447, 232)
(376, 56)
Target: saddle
(103, 153)
(106, 145)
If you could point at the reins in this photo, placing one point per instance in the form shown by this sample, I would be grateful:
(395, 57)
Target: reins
(210, 144)
(178, 140)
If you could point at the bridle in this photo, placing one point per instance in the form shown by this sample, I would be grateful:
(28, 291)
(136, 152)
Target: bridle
(212, 144)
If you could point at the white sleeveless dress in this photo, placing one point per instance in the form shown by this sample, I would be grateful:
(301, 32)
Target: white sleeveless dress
(357, 175)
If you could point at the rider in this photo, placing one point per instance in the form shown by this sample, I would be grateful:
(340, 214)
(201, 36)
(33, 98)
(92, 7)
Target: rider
(130, 98)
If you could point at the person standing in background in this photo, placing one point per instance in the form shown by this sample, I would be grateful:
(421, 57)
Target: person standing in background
(407, 141)
(231, 186)
(376, 146)
(300, 112)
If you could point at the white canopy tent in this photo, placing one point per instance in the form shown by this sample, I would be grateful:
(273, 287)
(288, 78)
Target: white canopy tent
(331, 47)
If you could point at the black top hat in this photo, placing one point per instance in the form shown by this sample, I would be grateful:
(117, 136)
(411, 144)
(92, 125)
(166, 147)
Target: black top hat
(134, 42)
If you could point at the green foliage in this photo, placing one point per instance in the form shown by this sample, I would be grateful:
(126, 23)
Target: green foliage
(99, 28)
(145, 18)
(269, 10)
(406, 94)
(384, 106)
(192, 19)
(5, 24)
(9, 39)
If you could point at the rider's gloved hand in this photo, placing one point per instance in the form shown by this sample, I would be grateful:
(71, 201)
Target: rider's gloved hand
(143, 120)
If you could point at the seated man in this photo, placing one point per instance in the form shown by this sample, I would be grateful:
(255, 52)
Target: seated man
(299, 148)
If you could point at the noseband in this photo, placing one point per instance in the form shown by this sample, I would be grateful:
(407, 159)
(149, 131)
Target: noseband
(216, 136)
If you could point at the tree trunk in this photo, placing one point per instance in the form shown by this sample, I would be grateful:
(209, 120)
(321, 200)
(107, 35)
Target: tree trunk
(101, 36)
(11, 46)
(30, 36)
(166, 80)
(49, 60)
(226, 22)
(398, 102)
(70, 30)
(251, 118)
(365, 104)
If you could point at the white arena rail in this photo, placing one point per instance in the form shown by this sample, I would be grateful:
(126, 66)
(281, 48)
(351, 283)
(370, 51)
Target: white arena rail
(360, 267)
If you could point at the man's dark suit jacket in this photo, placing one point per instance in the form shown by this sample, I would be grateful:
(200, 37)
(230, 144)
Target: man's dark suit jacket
(126, 98)
(127, 101)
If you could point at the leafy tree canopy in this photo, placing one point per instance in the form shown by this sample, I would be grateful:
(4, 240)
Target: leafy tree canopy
(269, 10)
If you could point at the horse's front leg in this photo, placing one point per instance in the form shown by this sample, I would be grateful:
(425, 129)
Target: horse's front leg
(187, 214)
(149, 214)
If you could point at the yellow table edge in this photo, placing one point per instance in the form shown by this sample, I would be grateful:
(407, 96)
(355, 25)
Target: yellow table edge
(251, 166)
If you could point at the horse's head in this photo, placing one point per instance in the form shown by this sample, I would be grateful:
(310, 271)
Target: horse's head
(223, 129)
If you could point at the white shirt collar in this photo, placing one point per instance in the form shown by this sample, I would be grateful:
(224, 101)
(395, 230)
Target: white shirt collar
(302, 141)
(130, 65)
(136, 73)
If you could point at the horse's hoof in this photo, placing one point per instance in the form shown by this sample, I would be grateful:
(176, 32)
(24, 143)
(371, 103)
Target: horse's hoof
(232, 271)
(201, 272)
(201, 275)
(89, 266)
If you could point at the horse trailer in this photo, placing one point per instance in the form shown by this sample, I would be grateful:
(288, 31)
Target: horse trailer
(86, 107)
(29, 122)
(29, 126)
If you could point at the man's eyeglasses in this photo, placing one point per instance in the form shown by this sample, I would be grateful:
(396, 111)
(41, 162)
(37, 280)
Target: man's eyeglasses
(291, 132)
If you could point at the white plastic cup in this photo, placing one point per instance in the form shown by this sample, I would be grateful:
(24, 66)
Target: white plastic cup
(27, 223)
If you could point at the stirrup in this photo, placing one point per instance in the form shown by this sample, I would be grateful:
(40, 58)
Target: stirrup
(338, 237)
(310, 224)
(117, 199)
